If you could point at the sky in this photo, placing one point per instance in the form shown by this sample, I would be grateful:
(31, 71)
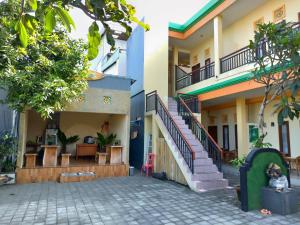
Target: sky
(177, 11)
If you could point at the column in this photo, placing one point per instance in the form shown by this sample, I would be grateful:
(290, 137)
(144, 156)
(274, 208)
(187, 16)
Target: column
(218, 47)
(22, 138)
(175, 62)
(242, 130)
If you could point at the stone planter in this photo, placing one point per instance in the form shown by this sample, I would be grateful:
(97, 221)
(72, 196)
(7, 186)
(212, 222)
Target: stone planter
(7, 178)
(65, 159)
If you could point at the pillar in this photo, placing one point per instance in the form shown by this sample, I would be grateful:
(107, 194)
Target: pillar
(175, 62)
(218, 47)
(242, 130)
(23, 122)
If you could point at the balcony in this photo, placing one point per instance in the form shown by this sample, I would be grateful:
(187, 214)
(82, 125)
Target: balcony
(184, 79)
(239, 58)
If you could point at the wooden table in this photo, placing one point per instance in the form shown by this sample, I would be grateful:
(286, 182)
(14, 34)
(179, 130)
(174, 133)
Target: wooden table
(50, 155)
(86, 150)
(30, 160)
(115, 154)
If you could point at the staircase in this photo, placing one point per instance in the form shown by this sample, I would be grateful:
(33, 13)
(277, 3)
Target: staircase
(187, 148)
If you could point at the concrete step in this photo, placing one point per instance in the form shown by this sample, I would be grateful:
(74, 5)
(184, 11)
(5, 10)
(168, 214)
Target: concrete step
(173, 113)
(205, 168)
(207, 176)
(203, 161)
(201, 155)
(209, 185)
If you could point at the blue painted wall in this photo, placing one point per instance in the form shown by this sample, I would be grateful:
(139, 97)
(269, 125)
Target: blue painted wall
(135, 70)
(135, 59)
(112, 82)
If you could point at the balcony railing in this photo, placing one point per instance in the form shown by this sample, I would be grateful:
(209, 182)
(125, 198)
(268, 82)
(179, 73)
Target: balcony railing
(236, 59)
(229, 62)
(184, 79)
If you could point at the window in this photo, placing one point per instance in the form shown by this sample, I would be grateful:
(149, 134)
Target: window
(225, 137)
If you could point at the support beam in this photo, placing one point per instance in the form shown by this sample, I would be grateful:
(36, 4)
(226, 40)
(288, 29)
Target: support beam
(218, 40)
(23, 122)
(242, 130)
(175, 62)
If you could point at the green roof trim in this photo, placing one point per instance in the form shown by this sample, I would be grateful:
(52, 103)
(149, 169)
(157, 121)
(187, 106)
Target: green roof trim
(210, 6)
(226, 83)
(236, 80)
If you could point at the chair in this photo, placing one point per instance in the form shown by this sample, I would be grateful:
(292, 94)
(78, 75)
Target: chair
(149, 164)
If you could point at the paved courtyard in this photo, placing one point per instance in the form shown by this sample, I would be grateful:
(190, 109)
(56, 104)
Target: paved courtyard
(125, 200)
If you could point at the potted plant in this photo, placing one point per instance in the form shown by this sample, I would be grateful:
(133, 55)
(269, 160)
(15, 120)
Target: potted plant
(237, 163)
(104, 141)
(7, 162)
(64, 140)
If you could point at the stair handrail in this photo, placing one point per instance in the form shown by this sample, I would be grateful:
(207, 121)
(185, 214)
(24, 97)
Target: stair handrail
(216, 157)
(182, 143)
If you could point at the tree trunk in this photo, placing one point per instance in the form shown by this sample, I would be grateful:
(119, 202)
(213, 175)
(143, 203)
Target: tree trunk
(261, 119)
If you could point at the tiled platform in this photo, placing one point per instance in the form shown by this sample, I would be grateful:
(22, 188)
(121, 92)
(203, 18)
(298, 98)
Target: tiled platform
(124, 200)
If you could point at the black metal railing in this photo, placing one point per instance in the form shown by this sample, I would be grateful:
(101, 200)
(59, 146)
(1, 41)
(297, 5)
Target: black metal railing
(236, 59)
(155, 103)
(213, 149)
(191, 101)
(184, 79)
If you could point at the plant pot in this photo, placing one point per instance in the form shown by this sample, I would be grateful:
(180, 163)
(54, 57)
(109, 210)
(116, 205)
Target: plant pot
(238, 191)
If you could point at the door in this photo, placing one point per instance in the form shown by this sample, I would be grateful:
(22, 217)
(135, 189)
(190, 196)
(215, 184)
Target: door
(195, 73)
(213, 131)
(207, 68)
(284, 138)
(226, 137)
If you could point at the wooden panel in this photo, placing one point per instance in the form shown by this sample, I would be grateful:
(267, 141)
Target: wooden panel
(116, 154)
(165, 162)
(86, 150)
(50, 155)
(30, 160)
(38, 175)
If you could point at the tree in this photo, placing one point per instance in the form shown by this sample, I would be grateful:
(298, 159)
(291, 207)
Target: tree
(53, 11)
(50, 73)
(275, 50)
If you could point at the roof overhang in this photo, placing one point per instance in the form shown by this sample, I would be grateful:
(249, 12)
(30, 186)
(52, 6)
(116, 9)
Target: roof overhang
(202, 17)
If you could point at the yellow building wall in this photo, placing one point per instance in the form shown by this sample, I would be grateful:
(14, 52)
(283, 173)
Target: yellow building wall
(219, 120)
(156, 48)
(252, 118)
(36, 126)
(88, 124)
(238, 34)
(93, 102)
(199, 52)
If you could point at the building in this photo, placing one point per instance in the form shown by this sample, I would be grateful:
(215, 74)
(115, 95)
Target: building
(105, 104)
(206, 57)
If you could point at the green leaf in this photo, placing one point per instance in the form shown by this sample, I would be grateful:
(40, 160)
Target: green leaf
(29, 22)
(94, 40)
(50, 20)
(22, 33)
(65, 17)
(33, 4)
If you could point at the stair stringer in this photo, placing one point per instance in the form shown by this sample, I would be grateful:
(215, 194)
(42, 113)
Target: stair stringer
(176, 154)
